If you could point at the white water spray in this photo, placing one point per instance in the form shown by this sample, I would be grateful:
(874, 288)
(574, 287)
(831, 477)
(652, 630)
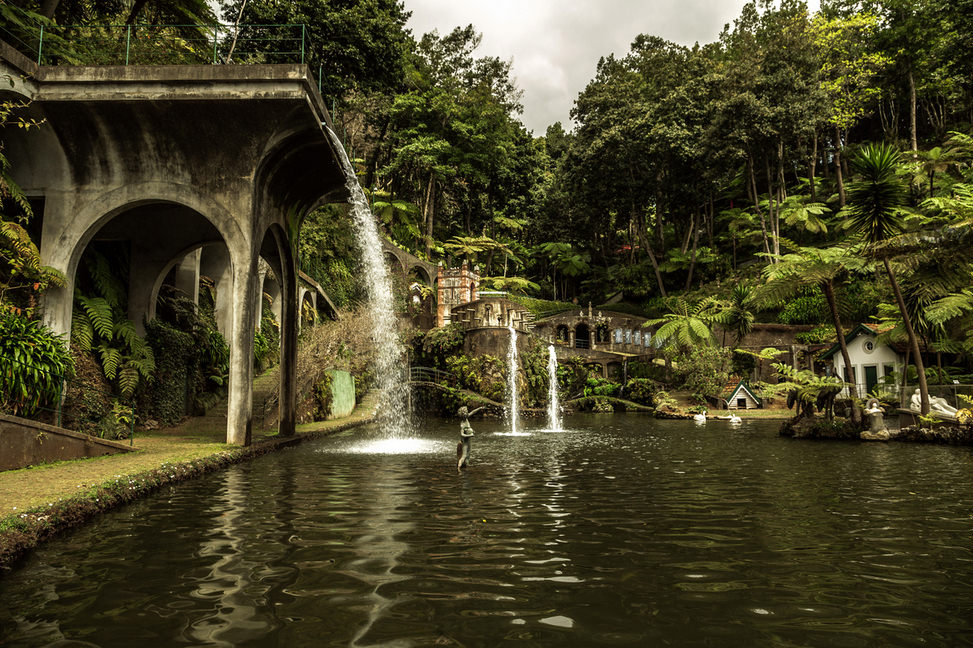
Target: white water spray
(512, 407)
(553, 406)
(389, 366)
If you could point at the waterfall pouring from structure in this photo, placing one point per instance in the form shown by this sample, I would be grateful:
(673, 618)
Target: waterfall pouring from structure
(553, 406)
(512, 363)
(390, 368)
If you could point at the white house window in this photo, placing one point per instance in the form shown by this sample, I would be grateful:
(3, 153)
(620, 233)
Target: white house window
(869, 346)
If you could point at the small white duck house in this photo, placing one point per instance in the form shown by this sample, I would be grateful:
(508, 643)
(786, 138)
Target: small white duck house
(742, 397)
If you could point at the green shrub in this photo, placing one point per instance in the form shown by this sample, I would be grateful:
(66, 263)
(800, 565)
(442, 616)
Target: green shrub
(808, 307)
(433, 348)
(32, 363)
(596, 386)
(486, 375)
(701, 369)
(662, 400)
(172, 388)
(640, 390)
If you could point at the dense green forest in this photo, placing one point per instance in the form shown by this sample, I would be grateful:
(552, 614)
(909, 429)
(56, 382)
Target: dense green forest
(801, 168)
(796, 163)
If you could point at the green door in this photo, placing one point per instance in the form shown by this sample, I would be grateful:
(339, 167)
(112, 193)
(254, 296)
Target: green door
(871, 378)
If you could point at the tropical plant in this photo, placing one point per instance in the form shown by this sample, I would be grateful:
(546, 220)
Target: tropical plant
(33, 365)
(688, 323)
(877, 206)
(99, 325)
(739, 316)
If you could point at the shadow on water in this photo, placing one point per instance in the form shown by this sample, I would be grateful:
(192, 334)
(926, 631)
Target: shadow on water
(619, 530)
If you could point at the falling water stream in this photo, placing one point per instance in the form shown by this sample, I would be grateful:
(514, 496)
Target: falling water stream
(512, 364)
(553, 406)
(389, 369)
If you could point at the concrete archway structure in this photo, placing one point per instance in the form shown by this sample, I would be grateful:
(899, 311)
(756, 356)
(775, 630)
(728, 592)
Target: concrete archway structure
(409, 263)
(170, 159)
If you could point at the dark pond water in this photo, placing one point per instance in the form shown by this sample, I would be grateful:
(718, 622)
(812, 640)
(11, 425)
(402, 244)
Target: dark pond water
(622, 531)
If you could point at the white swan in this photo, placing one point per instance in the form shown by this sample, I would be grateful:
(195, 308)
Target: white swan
(700, 418)
(735, 420)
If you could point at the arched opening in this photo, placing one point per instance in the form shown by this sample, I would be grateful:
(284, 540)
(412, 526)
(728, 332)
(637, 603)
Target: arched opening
(136, 280)
(561, 334)
(582, 336)
(308, 310)
(602, 334)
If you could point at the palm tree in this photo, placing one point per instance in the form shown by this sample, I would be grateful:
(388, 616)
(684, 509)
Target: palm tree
(739, 316)
(809, 266)
(876, 206)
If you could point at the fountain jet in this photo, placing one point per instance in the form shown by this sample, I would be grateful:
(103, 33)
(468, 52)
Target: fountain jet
(553, 406)
(512, 405)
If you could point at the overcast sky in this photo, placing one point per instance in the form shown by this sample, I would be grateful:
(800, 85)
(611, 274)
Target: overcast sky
(555, 44)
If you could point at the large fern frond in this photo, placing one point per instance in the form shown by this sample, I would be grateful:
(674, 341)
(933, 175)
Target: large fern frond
(99, 313)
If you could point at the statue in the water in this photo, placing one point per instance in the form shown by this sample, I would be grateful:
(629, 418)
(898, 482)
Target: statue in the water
(876, 420)
(463, 448)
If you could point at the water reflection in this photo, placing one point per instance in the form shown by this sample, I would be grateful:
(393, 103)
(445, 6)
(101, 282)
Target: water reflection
(621, 530)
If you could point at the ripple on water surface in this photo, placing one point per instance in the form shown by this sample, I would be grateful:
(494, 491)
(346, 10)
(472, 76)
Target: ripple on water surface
(621, 531)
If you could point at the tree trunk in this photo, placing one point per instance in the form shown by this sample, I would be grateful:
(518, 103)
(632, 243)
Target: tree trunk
(136, 9)
(692, 263)
(913, 135)
(839, 332)
(429, 213)
(756, 204)
(814, 162)
(689, 233)
(837, 167)
(913, 339)
(643, 235)
(48, 7)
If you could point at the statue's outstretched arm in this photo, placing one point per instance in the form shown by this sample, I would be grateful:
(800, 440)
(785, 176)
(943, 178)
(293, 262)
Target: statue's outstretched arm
(476, 410)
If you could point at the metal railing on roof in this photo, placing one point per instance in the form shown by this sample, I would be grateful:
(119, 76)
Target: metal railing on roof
(147, 44)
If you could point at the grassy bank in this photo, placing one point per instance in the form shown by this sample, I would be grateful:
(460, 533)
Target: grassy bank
(39, 502)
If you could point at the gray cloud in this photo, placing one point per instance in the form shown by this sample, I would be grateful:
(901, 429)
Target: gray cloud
(555, 45)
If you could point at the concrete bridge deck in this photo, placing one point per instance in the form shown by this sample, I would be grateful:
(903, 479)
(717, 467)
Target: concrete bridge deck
(218, 161)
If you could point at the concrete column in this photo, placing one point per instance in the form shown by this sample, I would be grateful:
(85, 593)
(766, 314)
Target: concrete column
(187, 275)
(239, 414)
(215, 264)
(289, 319)
(57, 304)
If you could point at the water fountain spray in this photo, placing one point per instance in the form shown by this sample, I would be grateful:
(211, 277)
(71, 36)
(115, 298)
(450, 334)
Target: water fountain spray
(389, 367)
(553, 406)
(512, 406)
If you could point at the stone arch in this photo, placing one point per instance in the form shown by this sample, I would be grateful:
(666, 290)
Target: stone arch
(307, 308)
(275, 249)
(158, 231)
(561, 333)
(582, 336)
(111, 204)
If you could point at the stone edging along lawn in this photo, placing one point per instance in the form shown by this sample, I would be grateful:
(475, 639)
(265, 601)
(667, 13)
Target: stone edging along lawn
(22, 531)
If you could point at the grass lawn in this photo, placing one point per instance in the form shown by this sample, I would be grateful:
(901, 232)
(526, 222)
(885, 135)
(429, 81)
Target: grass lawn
(196, 438)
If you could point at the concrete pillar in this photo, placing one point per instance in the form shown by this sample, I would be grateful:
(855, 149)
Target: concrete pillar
(289, 319)
(57, 304)
(187, 275)
(215, 263)
(239, 415)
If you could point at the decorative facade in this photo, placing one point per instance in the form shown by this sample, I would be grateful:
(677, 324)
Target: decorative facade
(454, 286)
